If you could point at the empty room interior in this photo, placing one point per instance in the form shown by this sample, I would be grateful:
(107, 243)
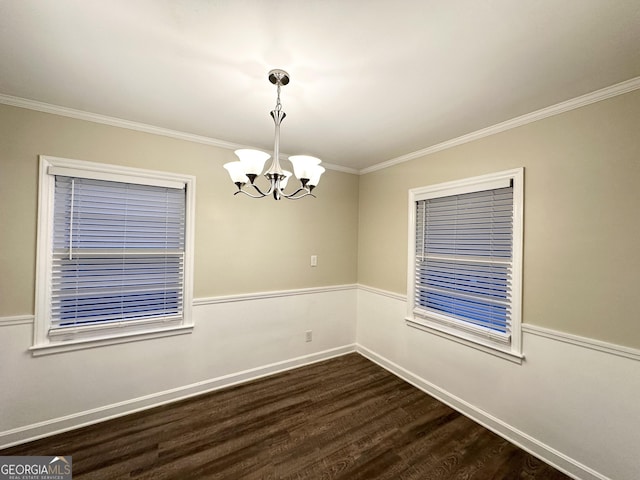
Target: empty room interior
(321, 239)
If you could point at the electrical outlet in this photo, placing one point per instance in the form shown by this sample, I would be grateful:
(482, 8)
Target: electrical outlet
(308, 336)
(314, 260)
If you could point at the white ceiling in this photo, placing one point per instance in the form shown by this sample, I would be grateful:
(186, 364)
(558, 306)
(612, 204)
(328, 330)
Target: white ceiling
(371, 80)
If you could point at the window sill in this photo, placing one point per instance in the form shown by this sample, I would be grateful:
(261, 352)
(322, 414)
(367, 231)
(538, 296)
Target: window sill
(69, 346)
(478, 344)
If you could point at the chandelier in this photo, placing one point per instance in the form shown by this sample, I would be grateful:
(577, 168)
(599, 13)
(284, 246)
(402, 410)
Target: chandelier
(307, 169)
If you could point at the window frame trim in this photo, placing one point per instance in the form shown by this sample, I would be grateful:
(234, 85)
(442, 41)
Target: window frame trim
(513, 350)
(43, 341)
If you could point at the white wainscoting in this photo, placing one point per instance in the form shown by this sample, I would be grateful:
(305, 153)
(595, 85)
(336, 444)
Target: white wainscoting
(234, 340)
(574, 403)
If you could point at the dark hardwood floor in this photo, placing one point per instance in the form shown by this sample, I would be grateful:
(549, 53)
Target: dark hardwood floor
(345, 418)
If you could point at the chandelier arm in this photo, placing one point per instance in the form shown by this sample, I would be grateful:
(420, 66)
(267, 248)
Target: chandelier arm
(249, 195)
(293, 197)
(301, 189)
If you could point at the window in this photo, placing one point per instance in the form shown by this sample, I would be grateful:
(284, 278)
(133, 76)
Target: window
(114, 254)
(465, 257)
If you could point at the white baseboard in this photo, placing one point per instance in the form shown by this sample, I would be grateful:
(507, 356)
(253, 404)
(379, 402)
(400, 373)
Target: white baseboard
(77, 420)
(544, 452)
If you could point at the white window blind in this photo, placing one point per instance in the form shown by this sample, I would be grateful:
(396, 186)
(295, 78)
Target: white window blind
(463, 261)
(118, 253)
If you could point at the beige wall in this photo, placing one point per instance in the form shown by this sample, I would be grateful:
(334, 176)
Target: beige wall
(241, 246)
(582, 216)
(582, 227)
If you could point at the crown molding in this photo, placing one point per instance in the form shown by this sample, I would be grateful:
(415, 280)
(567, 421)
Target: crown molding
(340, 168)
(137, 126)
(581, 101)
(113, 121)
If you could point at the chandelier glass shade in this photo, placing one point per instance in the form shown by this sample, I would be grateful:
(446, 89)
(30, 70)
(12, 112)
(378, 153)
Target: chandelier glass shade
(251, 162)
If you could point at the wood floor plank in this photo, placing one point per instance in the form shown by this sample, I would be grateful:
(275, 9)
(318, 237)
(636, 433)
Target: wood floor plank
(342, 419)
